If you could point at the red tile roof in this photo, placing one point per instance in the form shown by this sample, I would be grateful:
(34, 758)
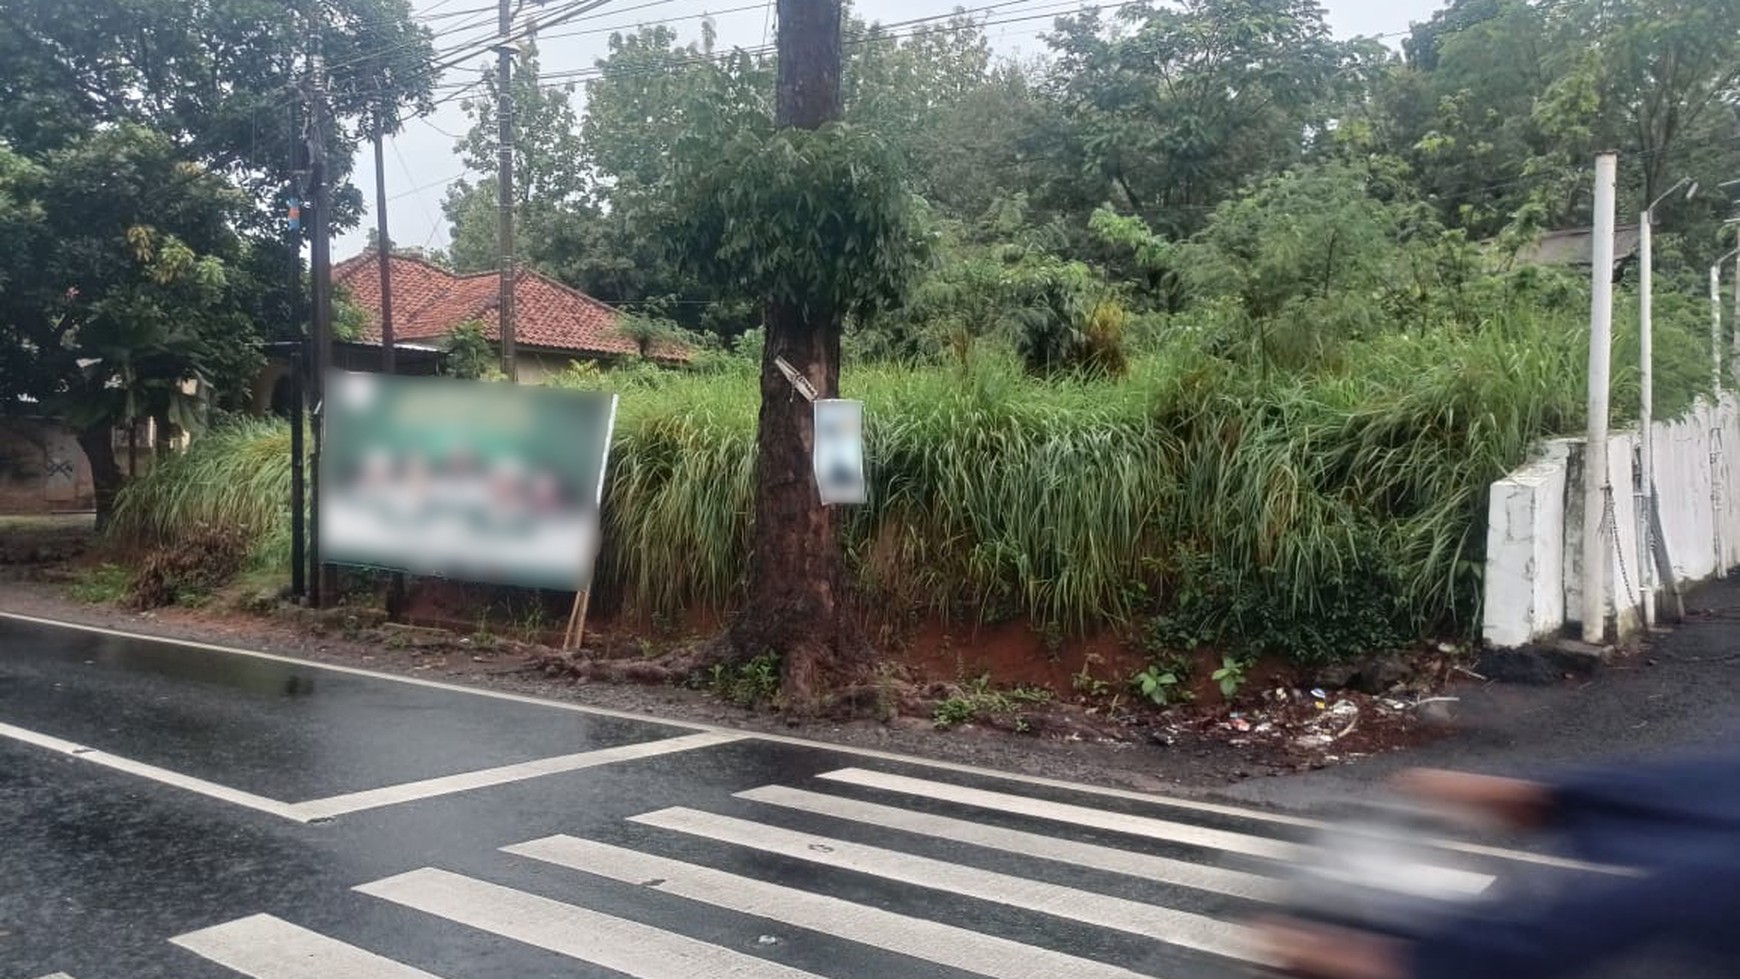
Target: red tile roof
(429, 302)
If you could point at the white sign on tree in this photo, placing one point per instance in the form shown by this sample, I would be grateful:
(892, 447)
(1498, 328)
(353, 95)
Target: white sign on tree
(839, 451)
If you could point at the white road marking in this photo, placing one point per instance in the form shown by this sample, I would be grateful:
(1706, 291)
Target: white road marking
(1129, 862)
(921, 938)
(57, 975)
(165, 776)
(1145, 826)
(393, 795)
(358, 671)
(268, 948)
(1433, 878)
(615, 943)
(1176, 802)
(1181, 928)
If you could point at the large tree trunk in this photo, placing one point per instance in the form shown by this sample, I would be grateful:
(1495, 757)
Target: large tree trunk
(98, 444)
(795, 601)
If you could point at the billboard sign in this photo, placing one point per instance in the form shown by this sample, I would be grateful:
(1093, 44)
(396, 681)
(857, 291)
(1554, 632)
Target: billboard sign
(470, 480)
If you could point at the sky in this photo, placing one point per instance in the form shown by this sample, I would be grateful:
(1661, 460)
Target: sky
(421, 161)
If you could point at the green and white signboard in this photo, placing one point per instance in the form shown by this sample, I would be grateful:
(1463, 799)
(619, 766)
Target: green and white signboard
(470, 480)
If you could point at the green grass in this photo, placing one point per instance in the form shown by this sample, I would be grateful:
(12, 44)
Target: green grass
(1311, 512)
(105, 584)
(45, 522)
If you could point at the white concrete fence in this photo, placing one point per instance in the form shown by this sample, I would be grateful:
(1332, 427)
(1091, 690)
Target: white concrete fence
(1534, 534)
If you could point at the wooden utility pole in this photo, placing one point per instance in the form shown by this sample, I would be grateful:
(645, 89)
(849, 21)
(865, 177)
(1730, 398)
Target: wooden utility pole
(795, 601)
(505, 186)
(323, 582)
(389, 354)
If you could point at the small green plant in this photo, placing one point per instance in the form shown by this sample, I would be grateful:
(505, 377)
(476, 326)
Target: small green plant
(1230, 676)
(105, 584)
(955, 710)
(747, 684)
(978, 699)
(398, 640)
(1157, 685)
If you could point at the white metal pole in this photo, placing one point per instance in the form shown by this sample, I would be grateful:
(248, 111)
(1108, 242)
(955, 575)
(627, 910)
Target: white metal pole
(1646, 415)
(1716, 331)
(1596, 487)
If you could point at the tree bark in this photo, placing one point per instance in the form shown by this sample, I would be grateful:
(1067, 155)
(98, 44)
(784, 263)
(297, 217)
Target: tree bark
(795, 603)
(98, 444)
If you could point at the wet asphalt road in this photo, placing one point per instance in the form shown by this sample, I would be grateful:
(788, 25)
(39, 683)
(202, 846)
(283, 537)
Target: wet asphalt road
(191, 813)
(149, 791)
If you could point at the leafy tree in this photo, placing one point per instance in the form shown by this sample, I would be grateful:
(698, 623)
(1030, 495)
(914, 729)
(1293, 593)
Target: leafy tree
(1186, 102)
(1648, 78)
(123, 286)
(218, 77)
(549, 177)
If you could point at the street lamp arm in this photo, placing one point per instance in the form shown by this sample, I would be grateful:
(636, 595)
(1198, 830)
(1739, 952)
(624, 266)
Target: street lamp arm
(1691, 192)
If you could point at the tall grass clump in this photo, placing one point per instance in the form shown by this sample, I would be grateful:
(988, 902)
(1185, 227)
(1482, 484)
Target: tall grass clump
(1310, 512)
(236, 476)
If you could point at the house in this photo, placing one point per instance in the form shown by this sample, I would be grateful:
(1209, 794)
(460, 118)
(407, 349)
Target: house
(1575, 247)
(42, 467)
(554, 325)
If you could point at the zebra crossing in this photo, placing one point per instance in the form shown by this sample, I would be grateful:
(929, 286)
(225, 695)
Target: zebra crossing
(1005, 853)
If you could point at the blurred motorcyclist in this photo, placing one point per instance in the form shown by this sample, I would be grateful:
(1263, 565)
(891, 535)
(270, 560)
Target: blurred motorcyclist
(1674, 824)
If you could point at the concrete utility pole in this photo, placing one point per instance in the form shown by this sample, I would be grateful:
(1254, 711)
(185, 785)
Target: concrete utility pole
(298, 369)
(1597, 489)
(1646, 408)
(322, 581)
(1716, 322)
(505, 190)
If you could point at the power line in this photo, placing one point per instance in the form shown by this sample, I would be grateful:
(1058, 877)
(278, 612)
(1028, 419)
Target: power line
(652, 23)
(429, 16)
(921, 25)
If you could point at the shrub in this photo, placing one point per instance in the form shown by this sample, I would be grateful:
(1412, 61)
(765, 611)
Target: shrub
(235, 476)
(188, 570)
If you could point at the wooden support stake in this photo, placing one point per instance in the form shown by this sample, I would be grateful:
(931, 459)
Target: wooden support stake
(577, 621)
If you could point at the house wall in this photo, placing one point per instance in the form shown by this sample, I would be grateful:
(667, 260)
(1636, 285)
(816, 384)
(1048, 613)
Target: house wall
(1534, 542)
(537, 368)
(42, 468)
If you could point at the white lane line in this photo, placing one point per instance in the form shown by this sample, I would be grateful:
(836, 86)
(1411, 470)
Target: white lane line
(1181, 928)
(165, 776)
(393, 795)
(615, 943)
(269, 948)
(1129, 862)
(358, 671)
(921, 938)
(57, 975)
(1117, 822)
